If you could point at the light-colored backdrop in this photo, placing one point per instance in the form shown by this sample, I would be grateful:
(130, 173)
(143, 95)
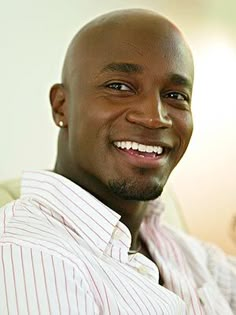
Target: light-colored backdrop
(34, 36)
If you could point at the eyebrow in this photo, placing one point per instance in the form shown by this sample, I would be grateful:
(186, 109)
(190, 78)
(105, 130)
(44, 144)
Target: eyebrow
(181, 80)
(123, 67)
(136, 68)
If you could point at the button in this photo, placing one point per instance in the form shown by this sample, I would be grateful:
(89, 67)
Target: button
(116, 236)
(143, 270)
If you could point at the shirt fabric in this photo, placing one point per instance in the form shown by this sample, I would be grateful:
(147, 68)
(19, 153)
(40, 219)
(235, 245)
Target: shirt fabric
(62, 251)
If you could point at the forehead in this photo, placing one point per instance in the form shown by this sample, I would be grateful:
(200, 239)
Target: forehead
(156, 49)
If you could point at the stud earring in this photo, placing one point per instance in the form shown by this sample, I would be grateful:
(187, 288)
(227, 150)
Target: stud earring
(61, 124)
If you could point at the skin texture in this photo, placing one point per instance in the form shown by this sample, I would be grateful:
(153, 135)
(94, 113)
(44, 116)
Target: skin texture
(127, 75)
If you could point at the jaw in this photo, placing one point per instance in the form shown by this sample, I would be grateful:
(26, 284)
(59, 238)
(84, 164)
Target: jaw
(136, 177)
(136, 189)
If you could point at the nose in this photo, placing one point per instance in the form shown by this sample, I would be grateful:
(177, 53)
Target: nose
(150, 113)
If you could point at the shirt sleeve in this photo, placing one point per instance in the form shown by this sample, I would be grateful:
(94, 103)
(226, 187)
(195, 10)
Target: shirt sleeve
(34, 282)
(223, 269)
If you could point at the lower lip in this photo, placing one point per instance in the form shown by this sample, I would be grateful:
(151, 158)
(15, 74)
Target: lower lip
(139, 160)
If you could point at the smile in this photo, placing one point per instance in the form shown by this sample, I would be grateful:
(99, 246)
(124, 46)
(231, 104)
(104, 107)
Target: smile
(143, 155)
(140, 148)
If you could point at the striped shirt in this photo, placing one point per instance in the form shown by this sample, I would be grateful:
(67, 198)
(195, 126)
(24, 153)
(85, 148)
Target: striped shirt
(62, 251)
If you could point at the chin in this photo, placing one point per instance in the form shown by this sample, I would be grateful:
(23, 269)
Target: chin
(135, 190)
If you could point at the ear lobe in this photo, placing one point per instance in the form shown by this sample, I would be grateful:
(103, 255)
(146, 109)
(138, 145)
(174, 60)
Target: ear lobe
(58, 102)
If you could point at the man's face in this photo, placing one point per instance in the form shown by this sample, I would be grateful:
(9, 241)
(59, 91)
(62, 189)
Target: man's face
(129, 113)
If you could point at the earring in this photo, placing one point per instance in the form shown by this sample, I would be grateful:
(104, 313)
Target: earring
(61, 124)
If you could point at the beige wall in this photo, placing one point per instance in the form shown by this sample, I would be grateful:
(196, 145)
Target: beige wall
(34, 36)
(205, 179)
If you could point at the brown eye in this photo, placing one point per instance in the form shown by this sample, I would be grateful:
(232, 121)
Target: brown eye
(177, 96)
(118, 86)
(178, 100)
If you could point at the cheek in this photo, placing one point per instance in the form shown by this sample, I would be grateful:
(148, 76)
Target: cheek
(183, 126)
(183, 123)
(87, 136)
(188, 126)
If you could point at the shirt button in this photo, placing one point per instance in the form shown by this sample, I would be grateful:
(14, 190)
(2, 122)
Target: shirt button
(117, 236)
(143, 270)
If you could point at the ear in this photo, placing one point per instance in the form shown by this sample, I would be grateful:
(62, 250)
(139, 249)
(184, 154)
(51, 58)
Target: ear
(58, 100)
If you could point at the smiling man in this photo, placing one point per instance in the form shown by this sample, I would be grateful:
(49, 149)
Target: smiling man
(126, 111)
(86, 238)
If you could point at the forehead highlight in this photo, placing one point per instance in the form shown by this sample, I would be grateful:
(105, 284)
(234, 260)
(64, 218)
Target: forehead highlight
(98, 32)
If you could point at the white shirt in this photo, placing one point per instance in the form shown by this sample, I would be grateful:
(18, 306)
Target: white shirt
(62, 251)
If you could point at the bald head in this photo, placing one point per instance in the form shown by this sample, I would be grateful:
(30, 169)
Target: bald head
(111, 30)
(127, 76)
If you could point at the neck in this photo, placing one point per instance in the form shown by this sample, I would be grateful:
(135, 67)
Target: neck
(132, 217)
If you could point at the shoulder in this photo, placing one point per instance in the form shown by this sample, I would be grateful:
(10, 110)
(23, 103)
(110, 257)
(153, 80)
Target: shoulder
(27, 224)
(213, 262)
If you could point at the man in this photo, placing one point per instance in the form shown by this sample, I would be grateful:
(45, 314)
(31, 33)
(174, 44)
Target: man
(86, 238)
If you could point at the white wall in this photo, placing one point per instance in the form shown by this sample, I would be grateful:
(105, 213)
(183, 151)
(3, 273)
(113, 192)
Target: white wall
(34, 36)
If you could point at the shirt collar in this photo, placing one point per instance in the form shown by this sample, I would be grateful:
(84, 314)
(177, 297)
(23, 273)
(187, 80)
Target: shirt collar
(85, 214)
(96, 223)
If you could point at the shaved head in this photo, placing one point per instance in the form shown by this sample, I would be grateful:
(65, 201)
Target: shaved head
(115, 24)
(126, 81)
(124, 109)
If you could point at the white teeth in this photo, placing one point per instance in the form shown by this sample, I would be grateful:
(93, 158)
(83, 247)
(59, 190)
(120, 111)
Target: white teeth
(134, 145)
(128, 145)
(138, 146)
(150, 149)
(142, 148)
(123, 145)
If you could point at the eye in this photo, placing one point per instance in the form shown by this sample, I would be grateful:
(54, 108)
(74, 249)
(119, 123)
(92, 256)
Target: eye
(177, 96)
(179, 100)
(118, 86)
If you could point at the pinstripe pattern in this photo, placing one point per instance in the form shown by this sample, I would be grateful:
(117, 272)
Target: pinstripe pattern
(64, 252)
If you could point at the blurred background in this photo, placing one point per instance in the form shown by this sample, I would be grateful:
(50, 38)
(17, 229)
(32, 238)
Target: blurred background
(34, 37)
